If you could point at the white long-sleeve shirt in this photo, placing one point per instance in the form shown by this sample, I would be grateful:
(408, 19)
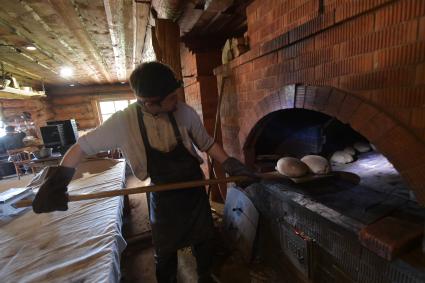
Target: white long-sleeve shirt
(122, 131)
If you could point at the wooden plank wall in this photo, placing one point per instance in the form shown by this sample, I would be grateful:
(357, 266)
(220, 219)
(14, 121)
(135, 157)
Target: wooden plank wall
(12, 109)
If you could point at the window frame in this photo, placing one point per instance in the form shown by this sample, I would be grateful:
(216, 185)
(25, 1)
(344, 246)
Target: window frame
(101, 115)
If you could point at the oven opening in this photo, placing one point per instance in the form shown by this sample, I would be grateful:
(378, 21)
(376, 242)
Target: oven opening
(300, 132)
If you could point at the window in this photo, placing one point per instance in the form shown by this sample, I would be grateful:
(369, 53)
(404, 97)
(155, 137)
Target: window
(109, 107)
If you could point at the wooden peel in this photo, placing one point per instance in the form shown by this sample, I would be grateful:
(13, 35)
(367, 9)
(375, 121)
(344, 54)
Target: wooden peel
(176, 186)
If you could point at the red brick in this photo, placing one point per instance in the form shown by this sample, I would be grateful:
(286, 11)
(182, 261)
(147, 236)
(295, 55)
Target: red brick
(265, 61)
(354, 8)
(310, 95)
(316, 57)
(415, 178)
(255, 74)
(400, 96)
(399, 12)
(334, 103)
(380, 79)
(370, 41)
(421, 33)
(243, 69)
(309, 7)
(362, 115)
(310, 27)
(377, 126)
(353, 65)
(278, 42)
(245, 87)
(420, 75)
(321, 98)
(417, 118)
(346, 31)
(400, 114)
(273, 70)
(266, 83)
(348, 108)
(274, 102)
(399, 56)
(296, 49)
(402, 148)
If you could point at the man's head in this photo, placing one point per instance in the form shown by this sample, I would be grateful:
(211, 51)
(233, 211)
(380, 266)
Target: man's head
(155, 87)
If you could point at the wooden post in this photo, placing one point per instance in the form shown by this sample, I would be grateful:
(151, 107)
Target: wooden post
(167, 47)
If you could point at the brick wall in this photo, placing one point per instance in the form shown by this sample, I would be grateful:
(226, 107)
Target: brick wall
(360, 61)
(201, 93)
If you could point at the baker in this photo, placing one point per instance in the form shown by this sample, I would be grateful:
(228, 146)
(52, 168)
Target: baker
(157, 136)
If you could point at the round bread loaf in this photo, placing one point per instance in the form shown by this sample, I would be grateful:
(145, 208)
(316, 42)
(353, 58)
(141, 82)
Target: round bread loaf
(349, 150)
(362, 146)
(317, 164)
(341, 157)
(291, 167)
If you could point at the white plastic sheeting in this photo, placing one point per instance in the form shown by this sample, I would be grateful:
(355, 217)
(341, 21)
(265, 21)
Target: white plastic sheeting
(82, 244)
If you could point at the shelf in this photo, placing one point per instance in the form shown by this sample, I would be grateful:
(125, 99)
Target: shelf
(14, 93)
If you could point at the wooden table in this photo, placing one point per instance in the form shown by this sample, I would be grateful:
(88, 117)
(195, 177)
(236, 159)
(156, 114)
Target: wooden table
(54, 159)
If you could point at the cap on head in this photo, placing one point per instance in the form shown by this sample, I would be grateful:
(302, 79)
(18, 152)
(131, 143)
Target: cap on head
(153, 79)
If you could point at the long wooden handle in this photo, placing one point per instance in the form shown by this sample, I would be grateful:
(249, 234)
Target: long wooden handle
(156, 188)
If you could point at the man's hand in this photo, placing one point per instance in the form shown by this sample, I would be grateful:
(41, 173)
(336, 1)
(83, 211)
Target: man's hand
(234, 167)
(52, 194)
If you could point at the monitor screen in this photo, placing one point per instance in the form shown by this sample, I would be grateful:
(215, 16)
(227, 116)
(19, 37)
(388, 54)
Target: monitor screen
(52, 135)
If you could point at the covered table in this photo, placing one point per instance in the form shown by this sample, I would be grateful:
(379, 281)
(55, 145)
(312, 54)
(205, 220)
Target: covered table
(82, 244)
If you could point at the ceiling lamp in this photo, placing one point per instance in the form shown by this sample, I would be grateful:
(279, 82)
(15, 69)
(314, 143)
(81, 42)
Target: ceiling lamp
(30, 48)
(66, 72)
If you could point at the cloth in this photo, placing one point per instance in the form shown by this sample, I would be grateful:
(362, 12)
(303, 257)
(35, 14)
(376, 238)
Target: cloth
(83, 244)
(178, 218)
(121, 130)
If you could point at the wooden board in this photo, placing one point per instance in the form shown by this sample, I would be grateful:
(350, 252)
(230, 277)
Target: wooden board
(240, 220)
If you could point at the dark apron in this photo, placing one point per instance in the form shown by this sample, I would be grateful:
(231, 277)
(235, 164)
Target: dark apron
(178, 218)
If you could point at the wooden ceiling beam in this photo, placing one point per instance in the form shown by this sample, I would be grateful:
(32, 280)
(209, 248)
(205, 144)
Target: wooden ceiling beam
(69, 55)
(114, 16)
(74, 24)
(89, 90)
(141, 12)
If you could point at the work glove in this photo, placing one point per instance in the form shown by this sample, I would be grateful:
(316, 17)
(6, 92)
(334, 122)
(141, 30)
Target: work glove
(234, 167)
(52, 194)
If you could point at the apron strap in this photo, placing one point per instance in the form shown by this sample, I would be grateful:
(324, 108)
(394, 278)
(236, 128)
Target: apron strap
(145, 135)
(175, 127)
(143, 129)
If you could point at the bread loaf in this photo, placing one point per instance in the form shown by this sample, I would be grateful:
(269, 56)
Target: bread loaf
(341, 157)
(362, 146)
(350, 150)
(291, 167)
(317, 164)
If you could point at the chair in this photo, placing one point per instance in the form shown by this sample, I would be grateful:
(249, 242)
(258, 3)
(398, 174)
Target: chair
(21, 157)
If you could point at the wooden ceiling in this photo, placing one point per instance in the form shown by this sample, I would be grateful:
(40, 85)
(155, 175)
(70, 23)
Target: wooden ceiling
(100, 40)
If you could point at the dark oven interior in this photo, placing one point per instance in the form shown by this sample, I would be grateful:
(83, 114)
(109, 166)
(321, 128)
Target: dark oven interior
(363, 225)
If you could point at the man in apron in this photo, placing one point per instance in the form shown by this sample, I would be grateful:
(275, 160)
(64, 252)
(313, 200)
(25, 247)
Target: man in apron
(157, 137)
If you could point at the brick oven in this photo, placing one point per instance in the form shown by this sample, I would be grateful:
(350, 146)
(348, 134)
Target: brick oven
(356, 66)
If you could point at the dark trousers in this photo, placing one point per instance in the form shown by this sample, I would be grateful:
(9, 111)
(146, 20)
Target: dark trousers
(166, 264)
